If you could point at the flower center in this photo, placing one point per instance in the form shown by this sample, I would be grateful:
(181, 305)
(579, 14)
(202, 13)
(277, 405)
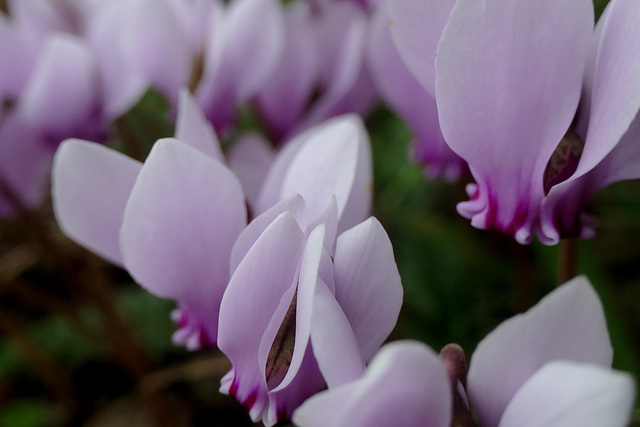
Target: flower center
(564, 160)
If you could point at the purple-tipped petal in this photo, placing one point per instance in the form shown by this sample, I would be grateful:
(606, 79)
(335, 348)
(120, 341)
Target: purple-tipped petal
(406, 385)
(91, 185)
(257, 298)
(416, 27)
(615, 98)
(368, 285)
(334, 161)
(567, 324)
(193, 128)
(62, 90)
(506, 98)
(250, 159)
(182, 219)
(572, 395)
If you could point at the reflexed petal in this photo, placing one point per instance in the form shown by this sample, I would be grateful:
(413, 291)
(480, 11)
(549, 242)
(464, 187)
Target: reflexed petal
(567, 324)
(250, 159)
(615, 99)
(123, 84)
(91, 186)
(61, 91)
(406, 385)
(334, 345)
(416, 26)
(255, 41)
(294, 205)
(368, 285)
(25, 164)
(572, 395)
(193, 128)
(410, 100)
(262, 285)
(334, 161)
(185, 213)
(282, 101)
(500, 104)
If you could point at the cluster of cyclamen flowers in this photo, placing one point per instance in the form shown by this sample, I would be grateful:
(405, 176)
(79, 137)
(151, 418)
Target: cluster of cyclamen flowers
(273, 258)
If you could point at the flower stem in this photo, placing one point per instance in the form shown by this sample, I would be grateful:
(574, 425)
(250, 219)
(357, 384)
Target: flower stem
(566, 260)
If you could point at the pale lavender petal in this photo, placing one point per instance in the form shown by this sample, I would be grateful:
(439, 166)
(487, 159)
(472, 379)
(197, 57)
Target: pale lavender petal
(122, 83)
(294, 205)
(62, 90)
(182, 219)
(257, 297)
(281, 101)
(572, 395)
(17, 56)
(404, 94)
(152, 40)
(255, 41)
(91, 185)
(24, 165)
(368, 285)
(568, 324)
(615, 99)
(271, 190)
(193, 128)
(406, 385)
(334, 345)
(250, 159)
(341, 35)
(501, 104)
(416, 27)
(334, 161)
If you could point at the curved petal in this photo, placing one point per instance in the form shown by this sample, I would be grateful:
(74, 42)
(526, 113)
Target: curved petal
(567, 324)
(25, 165)
(405, 385)
(508, 81)
(182, 219)
(250, 159)
(572, 395)
(336, 160)
(61, 93)
(262, 284)
(91, 185)
(254, 43)
(122, 84)
(368, 285)
(334, 345)
(416, 27)
(410, 100)
(294, 205)
(615, 98)
(283, 99)
(193, 128)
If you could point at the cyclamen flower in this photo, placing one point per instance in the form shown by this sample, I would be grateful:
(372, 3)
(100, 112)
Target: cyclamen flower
(509, 80)
(548, 366)
(172, 221)
(292, 304)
